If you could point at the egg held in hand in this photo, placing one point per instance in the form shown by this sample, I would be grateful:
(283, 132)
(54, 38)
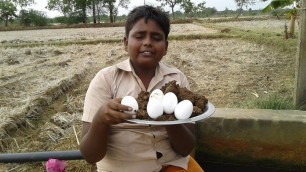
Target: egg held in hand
(183, 109)
(131, 102)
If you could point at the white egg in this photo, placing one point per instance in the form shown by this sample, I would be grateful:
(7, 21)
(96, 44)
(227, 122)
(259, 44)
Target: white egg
(156, 95)
(131, 102)
(154, 109)
(169, 102)
(183, 109)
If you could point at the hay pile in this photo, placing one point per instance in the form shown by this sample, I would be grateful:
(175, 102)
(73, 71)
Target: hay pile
(34, 82)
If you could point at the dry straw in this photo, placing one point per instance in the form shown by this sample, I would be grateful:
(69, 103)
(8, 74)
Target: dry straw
(13, 119)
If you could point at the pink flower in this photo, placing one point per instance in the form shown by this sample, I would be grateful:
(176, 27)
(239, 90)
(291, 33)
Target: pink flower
(55, 165)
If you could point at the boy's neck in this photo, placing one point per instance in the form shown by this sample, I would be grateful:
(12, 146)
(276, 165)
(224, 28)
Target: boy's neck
(145, 75)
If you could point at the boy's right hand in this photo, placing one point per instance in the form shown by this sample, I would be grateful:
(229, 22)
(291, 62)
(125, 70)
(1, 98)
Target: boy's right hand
(113, 113)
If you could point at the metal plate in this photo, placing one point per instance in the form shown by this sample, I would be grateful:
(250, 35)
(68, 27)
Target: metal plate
(209, 110)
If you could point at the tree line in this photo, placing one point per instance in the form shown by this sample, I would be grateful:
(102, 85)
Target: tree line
(95, 11)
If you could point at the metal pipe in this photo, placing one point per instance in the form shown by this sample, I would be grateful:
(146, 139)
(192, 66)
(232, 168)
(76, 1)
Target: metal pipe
(40, 156)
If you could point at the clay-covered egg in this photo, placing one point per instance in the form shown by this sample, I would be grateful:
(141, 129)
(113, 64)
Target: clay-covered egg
(156, 95)
(169, 102)
(183, 109)
(131, 102)
(155, 109)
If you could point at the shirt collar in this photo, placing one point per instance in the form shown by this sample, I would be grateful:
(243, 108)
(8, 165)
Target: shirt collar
(125, 65)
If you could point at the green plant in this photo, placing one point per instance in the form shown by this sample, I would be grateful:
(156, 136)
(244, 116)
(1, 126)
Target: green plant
(7, 10)
(270, 101)
(32, 17)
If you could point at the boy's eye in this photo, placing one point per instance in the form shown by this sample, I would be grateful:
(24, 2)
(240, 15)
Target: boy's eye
(154, 37)
(139, 36)
(157, 37)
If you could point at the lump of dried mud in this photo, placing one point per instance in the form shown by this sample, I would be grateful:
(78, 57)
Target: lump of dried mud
(198, 101)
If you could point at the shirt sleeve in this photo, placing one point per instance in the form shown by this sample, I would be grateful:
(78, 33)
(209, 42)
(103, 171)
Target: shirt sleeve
(98, 93)
(184, 80)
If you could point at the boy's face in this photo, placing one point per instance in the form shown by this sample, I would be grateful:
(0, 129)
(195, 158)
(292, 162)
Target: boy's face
(146, 44)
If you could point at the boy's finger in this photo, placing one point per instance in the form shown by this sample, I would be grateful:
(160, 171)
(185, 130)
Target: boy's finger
(122, 115)
(118, 100)
(119, 107)
(127, 116)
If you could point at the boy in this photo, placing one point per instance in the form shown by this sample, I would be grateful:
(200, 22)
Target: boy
(110, 141)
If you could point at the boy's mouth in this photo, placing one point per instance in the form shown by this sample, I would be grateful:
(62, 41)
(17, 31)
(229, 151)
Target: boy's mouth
(148, 53)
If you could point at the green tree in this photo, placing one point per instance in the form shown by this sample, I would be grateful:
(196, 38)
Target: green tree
(93, 6)
(33, 17)
(201, 9)
(188, 7)
(82, 6)
(111, 8)
(96, 7)
(171, 3)
(72, 10)
(23, 17)
(201, 6)
(7, 10)
(243, 3)
(23, 3)
(275, 4)
(101, 12)
(63, 6)
(209, 11)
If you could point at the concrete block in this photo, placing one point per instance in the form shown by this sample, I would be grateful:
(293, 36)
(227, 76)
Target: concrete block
(253, 137)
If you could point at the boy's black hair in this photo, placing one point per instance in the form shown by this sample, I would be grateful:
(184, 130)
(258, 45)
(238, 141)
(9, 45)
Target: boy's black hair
(148, 12)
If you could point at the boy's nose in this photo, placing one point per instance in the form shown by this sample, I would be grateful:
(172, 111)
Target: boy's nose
(147, 41)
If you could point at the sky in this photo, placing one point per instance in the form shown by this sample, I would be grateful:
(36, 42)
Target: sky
(220, 5)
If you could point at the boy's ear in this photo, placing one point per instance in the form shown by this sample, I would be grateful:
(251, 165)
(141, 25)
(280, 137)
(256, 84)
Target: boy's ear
(125, 41)
(166, 48)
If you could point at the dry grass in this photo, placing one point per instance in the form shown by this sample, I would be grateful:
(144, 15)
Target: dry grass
(271, 25)
(51, 35)
(43, 87)
(229, 71)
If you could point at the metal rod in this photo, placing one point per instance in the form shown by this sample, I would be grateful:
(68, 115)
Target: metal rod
(40, 156)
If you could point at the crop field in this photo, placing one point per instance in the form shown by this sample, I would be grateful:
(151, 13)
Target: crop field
(43, 82)
(276, 26)
(49, 35)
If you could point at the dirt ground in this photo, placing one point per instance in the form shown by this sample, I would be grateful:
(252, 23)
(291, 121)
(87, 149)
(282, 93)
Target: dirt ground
(227, 71)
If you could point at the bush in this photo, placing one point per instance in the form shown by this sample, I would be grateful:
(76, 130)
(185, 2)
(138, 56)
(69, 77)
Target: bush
(73, 18)
(60, 19)
(32, 18)
(273, 101)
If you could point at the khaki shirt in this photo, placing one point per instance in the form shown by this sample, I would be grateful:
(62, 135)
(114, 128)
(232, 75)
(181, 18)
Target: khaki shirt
(132, 147)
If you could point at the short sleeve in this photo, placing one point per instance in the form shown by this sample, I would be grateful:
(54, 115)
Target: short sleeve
(98, 93)
(184, 81)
